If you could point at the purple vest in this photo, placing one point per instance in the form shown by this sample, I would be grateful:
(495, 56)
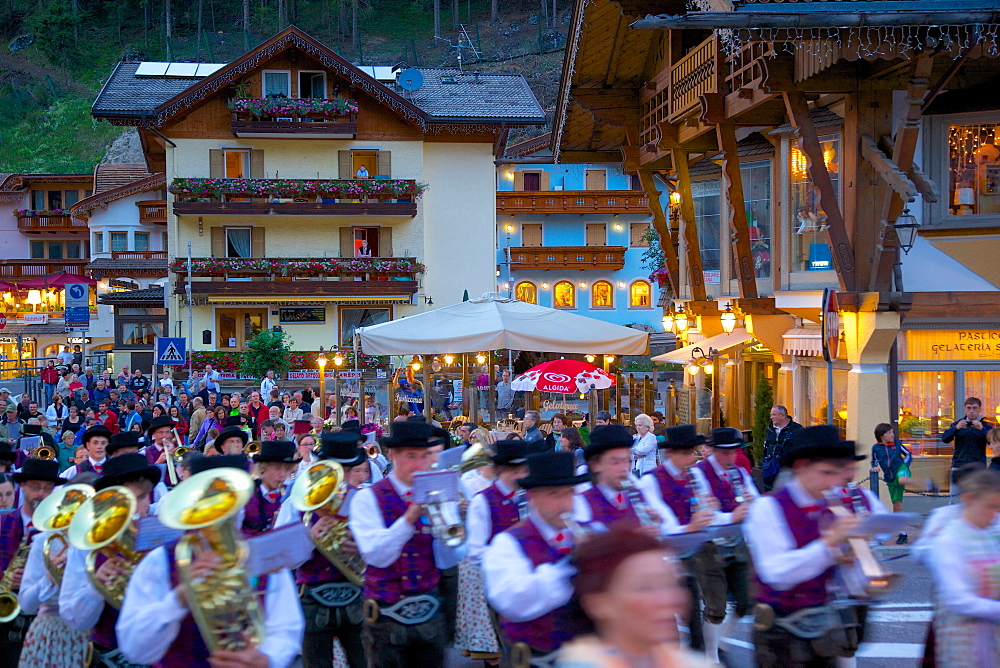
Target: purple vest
(318, 569)
(806, 594)
(152, 454)
(546, 633)
(11, 534)
(503, 511)
(675, 494)
(258, 515)
(87, 467)
(104, 632)
(188, 648)
(607, 513)
(415, 571)
(722, 489)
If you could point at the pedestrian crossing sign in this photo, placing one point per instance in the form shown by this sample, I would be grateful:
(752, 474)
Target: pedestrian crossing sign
(170, 351)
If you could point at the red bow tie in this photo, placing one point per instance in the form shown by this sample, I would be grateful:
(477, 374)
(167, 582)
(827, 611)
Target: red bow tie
(272, 496)
(812, 509)
(510, 495)
(620, 499)
(98, 467)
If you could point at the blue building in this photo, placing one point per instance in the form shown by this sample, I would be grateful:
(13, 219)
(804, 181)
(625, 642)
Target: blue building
(572, 236)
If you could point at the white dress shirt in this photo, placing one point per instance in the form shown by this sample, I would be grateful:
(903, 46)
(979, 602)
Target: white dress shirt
(80, 604)
(644, 452)
(582, 511)
(515, 587)
(69, 473)
(151, 615)
(650, 488)
(778, 562)
(39, 594)
(961, 552)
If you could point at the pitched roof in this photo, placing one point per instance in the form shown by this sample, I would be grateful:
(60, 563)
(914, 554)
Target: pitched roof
(130, 296)
(108, 176)
(529, 146)
(143, 184)
(155, 99)
(140, 267)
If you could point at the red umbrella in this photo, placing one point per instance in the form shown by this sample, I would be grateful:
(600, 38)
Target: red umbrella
(55, 281)
(8, 287)
(563, 376)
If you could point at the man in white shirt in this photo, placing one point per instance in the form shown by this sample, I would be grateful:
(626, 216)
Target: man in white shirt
(268, 383)
(527, 570)
(211, 378)
(404, 624)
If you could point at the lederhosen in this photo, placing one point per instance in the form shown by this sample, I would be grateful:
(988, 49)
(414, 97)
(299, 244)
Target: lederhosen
(258, 515)
(332, 609)
(801, 626)
(723, 567)
(12, 633)
(534, 643)
(188, 648)
(677, 496)
(404, 624)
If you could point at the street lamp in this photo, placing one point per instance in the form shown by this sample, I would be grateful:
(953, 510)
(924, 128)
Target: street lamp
(338, 360)
(668, 322)
(906, 230)
(728, 319)
(448, 359)
(480, 359)
(321, 361)
(415, 364)
(681, 321)
(590, 358)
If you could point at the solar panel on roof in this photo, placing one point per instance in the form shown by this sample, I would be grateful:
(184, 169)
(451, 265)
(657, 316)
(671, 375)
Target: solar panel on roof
(205, 69)
(151, 69)
(182, 70)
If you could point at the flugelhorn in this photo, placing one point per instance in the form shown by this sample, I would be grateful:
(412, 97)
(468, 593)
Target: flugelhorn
(226, 608)
(9, 606)
(877, 579)
(474, 457)
(445, 519)
(104, 525)
(54, 514)
(372, 451)
(253, 448)
(647, 516)
(42, 452)
(321, 489)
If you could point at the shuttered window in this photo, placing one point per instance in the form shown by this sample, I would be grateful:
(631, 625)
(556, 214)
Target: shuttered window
(597, 234)
(531, 234)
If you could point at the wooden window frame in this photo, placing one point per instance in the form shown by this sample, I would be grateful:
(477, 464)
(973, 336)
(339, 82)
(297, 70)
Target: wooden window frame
(634, 307)
(534, 288)
(572, 285)
(593, 293)
(263, 77)
(298, 82)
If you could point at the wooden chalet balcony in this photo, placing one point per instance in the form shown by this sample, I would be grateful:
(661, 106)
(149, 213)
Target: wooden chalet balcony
(153, 211)
(567, 257)
(298, 117)
(691, 77)
(29, 268)
(572, 201)
(138, 255)
(342, 277)
(34, 222)
(296, 197)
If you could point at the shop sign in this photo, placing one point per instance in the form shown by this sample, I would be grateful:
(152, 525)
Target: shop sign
(78, 340)
(35, 318)
(8, 339)
(959, 344)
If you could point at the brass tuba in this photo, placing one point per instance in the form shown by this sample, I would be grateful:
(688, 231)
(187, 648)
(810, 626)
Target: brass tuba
(103, 524)
(474, 457)
(226, 608)
(9, 607)
(54, 514)
(43, 452)
(321, 489)
(253, 448)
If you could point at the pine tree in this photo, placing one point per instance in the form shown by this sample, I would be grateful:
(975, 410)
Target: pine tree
(763, 399)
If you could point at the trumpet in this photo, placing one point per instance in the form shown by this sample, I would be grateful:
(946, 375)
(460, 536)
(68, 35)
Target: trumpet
(54, 514)
(225, 607)
(103, 526)
(322, 490)
(171, 464)
(179, 453)
(446, 520)
(372, 451)
(878, 580)
(253, 448)
(9, 607)
(42, 452)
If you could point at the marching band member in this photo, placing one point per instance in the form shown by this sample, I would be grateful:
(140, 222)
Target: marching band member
(725, 566)
(527, 570)
(233, 440)
(613, 497)
(497, 508)
(679, 493)
(159, 437)
(331, 604)
(156, 626)
(795, 560)
(81, 605)
(95, 440)
(37, 478)
(50, 640)
(274, 463)
(395, 540)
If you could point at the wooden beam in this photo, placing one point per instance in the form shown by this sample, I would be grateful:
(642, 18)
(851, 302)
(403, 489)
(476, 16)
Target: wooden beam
(614, 106)
(736, 213)
(903, 150)
(887, 169)
(692, 248)
(668, 244)
(836, 232)
(758, 306)
(500, 144)
(927, 188)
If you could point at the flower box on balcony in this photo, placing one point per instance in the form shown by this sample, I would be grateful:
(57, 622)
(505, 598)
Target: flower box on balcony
(259, 107)
(190, 190)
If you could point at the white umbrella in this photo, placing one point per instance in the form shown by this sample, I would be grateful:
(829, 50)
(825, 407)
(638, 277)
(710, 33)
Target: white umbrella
(492, 322)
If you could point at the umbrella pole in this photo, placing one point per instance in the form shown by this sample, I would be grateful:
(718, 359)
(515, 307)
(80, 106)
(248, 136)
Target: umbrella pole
(490, 395)
(465, 384)
(591, 406)
(428, 405)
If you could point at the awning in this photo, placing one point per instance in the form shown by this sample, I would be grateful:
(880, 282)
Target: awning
(720, 342)
(802, 342)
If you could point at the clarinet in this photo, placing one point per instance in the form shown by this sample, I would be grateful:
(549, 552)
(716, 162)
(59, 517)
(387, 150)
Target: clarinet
(736, 478)
(646, 515)
(857, 498)
(521, 499)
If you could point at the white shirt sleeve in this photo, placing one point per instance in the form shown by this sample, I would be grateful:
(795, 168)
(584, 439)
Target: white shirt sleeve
(519, 590)
(581, 509)
(80, 604)
(644, 446)
(478, 527)
(283, 620)
(878, 508)
(650, 489)
(379, 545)
(37, 586)
(777, 561)
(69, 472)
(287, 514)
(955, 582)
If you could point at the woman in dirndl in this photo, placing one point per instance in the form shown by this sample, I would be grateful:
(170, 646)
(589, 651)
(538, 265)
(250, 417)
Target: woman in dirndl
(965, 561)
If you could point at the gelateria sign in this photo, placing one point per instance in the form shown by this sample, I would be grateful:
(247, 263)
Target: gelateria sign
(957, 344)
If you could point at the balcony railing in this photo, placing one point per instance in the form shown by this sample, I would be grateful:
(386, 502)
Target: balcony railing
(153, 211)
(692, 76)
(568, 257)
(285, 116)
(138, 255)
(28, 268)
(573, 201)
(34, 221)
(299, 276)
(297, 197)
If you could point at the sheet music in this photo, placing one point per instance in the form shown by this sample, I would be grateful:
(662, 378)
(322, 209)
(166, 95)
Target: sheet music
(151, 533)
(883, 523)
(450, 458)
(445, 482)
(29, 443)
(277, 549)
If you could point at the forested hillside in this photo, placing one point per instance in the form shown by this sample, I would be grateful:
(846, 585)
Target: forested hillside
(56, 53)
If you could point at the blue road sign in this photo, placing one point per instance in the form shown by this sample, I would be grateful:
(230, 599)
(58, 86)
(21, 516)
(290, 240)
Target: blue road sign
(170, 350)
